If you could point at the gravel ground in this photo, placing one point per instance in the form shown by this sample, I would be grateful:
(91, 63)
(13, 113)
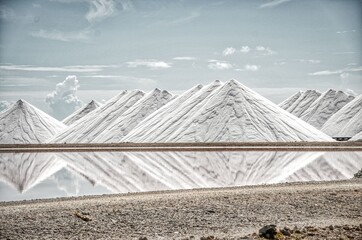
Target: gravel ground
(318, 210)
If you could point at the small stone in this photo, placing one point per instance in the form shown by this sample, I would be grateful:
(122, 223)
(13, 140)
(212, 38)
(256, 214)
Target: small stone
(286, 232)
(268, 231)
(331, 227)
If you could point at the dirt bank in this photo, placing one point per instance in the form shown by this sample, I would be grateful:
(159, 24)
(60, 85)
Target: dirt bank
(224, 213)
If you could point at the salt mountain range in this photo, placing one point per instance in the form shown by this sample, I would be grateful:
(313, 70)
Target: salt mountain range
(218, 112)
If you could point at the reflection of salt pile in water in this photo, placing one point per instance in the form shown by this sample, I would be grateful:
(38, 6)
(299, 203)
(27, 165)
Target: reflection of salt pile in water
(25, 170)
(148, 171)
(330, 166)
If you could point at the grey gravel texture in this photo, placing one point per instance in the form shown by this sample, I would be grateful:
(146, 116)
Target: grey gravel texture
(223, 213)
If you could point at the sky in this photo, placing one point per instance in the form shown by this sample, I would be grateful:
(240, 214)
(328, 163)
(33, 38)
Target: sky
(60, 54)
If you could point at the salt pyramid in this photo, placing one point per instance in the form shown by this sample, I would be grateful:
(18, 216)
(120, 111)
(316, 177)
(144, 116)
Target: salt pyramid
(227, 112)
(298, 103)
(148, 104)
(347, 122)
(24, 123)
(357, 137)
(94, 123)
(78, 114)
(324, 107)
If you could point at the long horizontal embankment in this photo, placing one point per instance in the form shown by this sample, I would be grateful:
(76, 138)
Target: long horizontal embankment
(231, 146)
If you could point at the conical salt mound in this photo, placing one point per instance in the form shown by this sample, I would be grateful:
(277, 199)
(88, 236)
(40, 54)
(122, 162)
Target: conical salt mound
(298, 103)
(129, 119)
(230, 112)
(90, 126)
(81, 112)
(167, 119)
(290, 100)
(324, 107)
(357, 137)
(347, 122)
(24, 123)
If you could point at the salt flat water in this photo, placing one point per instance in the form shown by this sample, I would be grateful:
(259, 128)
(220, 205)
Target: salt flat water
(34, 175)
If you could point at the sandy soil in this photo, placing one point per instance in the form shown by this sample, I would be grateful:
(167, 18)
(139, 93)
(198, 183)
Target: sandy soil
(224, 213)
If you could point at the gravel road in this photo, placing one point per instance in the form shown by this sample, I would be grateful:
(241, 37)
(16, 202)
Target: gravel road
(225, 213)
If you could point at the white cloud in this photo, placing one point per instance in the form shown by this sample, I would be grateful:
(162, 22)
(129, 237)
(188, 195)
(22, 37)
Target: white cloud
(6, 13)
(314, 61)
(280, 63)
(219, 65)
(346, 31)
(229, 51)
(265, 50)
(63, 100)
(333, 72)
(100, 9)
(152, 64)
(249, 67)
(185, 19)
(245, 49)
(75, 69)
(273, 3)
(185, 58)
(83, 35)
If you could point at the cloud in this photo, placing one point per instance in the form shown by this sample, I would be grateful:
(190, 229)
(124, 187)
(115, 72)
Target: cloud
(245, 49)
(100, 9)
(229, 51)
(152, 64)
(185, 58)
(249, 68)
(280, 63)
(6, 13)
(346, 31)
(333, 72)
(184, 20)
(75, 69)
(219, 65)
(63, 100)
(82, 36)
(265, 50)
(314, 61)
(273, 3)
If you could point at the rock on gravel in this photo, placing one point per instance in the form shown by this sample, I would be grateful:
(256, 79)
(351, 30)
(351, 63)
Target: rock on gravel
(358, 174)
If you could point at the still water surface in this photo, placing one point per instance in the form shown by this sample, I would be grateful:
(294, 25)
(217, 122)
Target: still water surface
(62, 174)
